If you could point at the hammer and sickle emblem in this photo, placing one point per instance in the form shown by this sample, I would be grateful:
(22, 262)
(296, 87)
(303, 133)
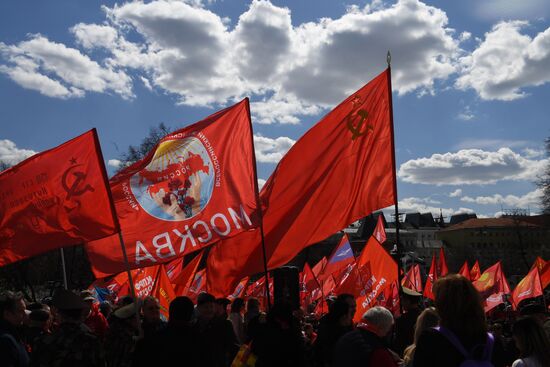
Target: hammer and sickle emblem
(78, 186)
(356, 129)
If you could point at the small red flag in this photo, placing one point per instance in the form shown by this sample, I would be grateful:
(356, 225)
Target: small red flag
(379, 232)
(413, 279)
(544, 271)
(339, 260)
(194, 188)
(163, 291)
(316, 190)
(319, 267)
(528, 287)
(442, 264)
(432, 277)
(465, 270)
(308, 283)
(475, 272)
(198, 285)
(239, 290)
(492, 285)
(53, 199)
(187, 275)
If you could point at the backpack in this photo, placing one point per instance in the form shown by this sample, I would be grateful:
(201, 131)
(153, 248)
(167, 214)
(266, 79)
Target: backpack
(469, 358)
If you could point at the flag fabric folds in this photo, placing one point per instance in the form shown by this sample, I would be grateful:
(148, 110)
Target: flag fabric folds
(341, 257)
(442, 268)
(475, 272)
(413, 279)
(338, 172)
(432, 277)
(465, 270)
(183, 281)
(492, 285)
(53, 199)
(163, 291)
(194, 188)
(544, 271)
(529, 287)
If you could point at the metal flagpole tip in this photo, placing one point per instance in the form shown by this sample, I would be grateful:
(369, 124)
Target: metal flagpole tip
(388, 58)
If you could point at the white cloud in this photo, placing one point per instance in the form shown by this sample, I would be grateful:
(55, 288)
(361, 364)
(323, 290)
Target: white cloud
(471, 166)
(533, 153)
(476, 143)
(466, 114)
(531, 199)
(289, 70)
(270, 150)
(414, 204)
(114, 163)
(59, 71)
(10, 154)
(506, 62)
(456, 193)
(261, 183)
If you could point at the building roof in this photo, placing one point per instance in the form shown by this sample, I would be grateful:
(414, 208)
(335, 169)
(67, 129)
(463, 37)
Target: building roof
(496, 223)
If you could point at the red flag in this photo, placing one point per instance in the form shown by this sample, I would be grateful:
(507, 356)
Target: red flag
(379, 232)
(54, 199)
(339, 260)
(198, 285)
(257, 290)
(174, 268)
(528, 287)
(308, 283)
(319, 267)
(442, 268)
(316, 190)
(187, 275)
(413, 279)
(492, 285)
(381, 272)
(239, 290)
(465, 270)
(544, 271)
(194, 188)
(475, 273)
(163, 291)
(391, 299)
(432, 277)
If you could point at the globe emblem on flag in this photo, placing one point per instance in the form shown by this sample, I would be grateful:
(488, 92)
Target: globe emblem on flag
(178, 182)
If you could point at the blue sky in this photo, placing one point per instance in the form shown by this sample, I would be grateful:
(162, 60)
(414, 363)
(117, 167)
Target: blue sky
(470, 81)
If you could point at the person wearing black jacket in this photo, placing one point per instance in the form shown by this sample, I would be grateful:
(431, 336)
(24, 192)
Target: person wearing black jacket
(12, 314)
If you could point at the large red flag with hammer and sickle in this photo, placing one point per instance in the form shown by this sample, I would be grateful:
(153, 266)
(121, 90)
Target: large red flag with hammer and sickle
(56, 198)
(338, 172)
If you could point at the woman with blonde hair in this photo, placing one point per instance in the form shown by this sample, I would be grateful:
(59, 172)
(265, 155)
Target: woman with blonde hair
(427, 319)
(462, 334)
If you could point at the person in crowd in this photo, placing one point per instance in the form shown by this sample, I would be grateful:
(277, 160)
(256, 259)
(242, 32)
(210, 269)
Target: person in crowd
(12, 313)
(532, 342)
(217, 341)
(463, 332)
(122, 336)
(237, 320)
(537, 311)
(176, 342)
(367, 345)
(279, 341)
(336, 323)
(39, 324)
(309, 334)
(427, 319)
(150, 310)
(221, 308)
(252, 318)
(404, 325)
(72, 344)
(92, 317)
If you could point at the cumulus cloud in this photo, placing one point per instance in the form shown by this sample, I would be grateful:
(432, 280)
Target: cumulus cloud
(10, 154)
(270, 150)
(530, 199)
(114, 163)
(471, 166)
(456, 193)
(59, 71)
(261, 183)
(420, 205)
(507, 62)
(289, 70)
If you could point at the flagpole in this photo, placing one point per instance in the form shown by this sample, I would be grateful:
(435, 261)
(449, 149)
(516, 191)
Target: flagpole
(394, 172)
(259, 208)
(64, 268)
(117, 225)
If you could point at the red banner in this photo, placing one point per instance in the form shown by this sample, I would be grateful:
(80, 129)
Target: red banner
(163, 291)
(528, 287)
(432, 277)
(492, 285)
(54, 199)
(194, 188)
(465, 270)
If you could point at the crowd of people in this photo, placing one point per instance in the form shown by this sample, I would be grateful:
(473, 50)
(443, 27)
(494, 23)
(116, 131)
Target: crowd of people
(73, 329)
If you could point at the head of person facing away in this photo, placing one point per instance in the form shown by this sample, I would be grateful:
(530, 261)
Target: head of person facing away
(378, 320)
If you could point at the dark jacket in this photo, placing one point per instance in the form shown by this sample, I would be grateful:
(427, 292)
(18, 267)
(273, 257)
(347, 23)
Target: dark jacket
(360, 348)
(12, 349)
(328, 334)
(217, 343)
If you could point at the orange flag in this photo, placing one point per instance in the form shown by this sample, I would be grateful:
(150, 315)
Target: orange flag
(194, 188)
(53, 199)
(413, 279)
(528, 287)
(163, 291)
(184, 279)
(475, 272)
(465, 270)
(380, 270)
(442, 268)
(339, 171)
(432, 277)
(544, 271)
(492, 285)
